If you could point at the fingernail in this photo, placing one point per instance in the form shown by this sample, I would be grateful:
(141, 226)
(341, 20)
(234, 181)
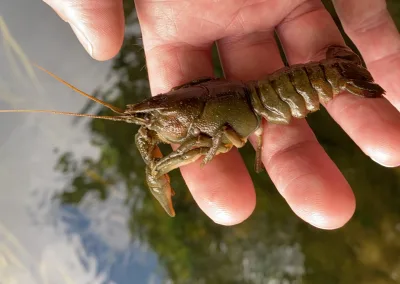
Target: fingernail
(82, 39)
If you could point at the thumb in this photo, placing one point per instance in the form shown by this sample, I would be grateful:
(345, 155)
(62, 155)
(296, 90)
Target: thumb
(99, 25)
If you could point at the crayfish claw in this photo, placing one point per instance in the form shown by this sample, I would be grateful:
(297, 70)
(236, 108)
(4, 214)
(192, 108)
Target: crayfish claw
(161, 189)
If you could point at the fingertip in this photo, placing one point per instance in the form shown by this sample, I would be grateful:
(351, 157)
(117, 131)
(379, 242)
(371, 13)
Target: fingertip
(98, 25)
(381, 140)
(374, 124)
(385, 152)
(306, 177)
(230, 216)
(104, 54)
(222, 189)
(324, 209)
(228, 210)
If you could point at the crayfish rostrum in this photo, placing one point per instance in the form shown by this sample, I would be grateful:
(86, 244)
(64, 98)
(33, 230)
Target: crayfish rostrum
(208, 116)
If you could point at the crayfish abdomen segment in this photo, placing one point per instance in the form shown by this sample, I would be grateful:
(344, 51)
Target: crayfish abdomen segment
(298, 90)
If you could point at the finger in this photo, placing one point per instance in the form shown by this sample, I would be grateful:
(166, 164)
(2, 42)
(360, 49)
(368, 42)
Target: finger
(373, 124)
(223, 188)
(296, 163)
(372, 29)
(99, 25)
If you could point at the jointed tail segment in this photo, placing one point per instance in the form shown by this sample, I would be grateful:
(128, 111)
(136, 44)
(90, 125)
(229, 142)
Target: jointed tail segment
(298, 90)
(353, 77)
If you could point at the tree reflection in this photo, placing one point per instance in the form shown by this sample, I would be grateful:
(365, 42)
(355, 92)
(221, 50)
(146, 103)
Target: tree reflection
(273, 244)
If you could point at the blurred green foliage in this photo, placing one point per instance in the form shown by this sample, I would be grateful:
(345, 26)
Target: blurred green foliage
(273, 244)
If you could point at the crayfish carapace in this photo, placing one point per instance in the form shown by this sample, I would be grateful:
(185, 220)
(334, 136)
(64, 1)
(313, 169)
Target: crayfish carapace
(209, 116)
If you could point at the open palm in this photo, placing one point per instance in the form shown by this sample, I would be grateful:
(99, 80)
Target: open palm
(178, 36)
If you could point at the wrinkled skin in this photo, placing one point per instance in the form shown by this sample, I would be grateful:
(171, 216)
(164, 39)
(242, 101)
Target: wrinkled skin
(208, 116)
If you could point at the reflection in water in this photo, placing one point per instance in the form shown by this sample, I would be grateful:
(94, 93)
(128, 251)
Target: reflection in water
(17, 265)
(42, 241)
(93, 220)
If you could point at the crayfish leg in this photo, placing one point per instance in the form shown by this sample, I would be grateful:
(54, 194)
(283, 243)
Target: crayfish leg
(217, 147)
(234, 137)
(258, 165)
(175, 162)
(185, 158)
(190, 151)
(190, 143)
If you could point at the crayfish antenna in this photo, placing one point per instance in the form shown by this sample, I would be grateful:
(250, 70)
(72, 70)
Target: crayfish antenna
(107, 105)
(114, 118)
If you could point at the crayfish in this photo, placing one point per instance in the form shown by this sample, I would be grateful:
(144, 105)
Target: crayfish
(209, 116)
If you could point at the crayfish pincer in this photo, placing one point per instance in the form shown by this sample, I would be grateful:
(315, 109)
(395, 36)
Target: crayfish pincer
(208, 116)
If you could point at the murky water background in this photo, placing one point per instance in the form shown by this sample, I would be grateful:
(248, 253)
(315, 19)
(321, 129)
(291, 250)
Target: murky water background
(74, 208)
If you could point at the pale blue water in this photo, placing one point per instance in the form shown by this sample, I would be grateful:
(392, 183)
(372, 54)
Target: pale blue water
(40, 240)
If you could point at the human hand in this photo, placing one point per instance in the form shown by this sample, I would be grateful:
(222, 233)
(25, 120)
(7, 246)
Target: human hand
(177, 37)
